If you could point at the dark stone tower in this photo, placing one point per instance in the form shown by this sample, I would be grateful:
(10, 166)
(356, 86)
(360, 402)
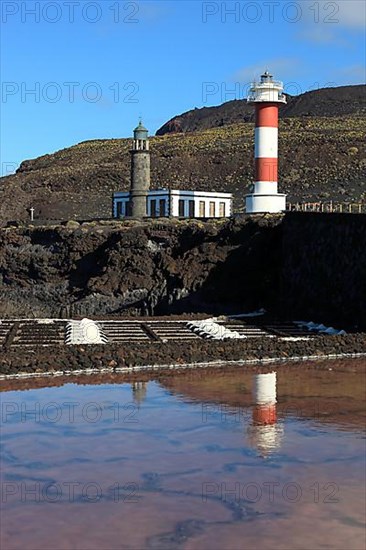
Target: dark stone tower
(140, 172)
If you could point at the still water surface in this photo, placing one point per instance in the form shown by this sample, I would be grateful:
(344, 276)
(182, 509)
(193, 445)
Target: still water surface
(195, 461)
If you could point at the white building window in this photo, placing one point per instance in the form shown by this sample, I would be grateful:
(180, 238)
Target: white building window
(162, 208)
(181, 208)
(153, 212)
(202, 209)
(119, 206)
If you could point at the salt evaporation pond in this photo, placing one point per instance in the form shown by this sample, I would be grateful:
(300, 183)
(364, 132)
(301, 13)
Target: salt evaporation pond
(189, 461)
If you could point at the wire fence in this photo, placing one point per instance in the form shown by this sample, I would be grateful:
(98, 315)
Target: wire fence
(330, 206)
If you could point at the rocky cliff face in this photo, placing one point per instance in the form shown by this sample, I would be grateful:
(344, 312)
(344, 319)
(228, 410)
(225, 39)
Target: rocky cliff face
(141, 269)
(310, 266)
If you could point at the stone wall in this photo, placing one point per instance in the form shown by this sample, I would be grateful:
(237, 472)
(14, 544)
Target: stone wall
(324, 268)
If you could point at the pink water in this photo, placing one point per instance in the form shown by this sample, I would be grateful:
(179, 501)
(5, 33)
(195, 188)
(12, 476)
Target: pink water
(180, 464)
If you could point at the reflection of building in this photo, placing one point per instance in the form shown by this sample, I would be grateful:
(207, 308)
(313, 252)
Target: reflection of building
(141, 201)
(265, 434)
(139, 392)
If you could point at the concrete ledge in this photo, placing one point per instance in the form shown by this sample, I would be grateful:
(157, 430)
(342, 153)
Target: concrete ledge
(178, 366)
(271, 203)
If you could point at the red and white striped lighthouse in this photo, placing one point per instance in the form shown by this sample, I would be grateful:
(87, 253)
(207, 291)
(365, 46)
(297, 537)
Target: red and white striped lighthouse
(267, 95)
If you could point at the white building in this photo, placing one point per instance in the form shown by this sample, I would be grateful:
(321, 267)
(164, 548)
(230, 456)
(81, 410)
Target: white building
(142, 201)
(177, 203)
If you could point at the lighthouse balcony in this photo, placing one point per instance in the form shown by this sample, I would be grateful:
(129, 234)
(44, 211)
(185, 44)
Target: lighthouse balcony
(268, 83)
(266, 96)
(267, 91)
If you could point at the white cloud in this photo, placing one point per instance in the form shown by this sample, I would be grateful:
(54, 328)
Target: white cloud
(325, 22)
(320, 35)
(151, 11)
(354, 74)
(279, 67)
(352, 13)
(341, 13)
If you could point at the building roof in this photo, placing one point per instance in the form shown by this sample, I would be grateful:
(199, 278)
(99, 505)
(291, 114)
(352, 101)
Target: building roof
(183, 193)
(140, 127)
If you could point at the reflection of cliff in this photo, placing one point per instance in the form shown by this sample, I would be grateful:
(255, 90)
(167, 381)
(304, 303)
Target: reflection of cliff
(304, 391)
(265, 433)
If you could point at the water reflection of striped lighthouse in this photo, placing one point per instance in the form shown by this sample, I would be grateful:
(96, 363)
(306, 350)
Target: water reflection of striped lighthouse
(265, 434)
(267, 95)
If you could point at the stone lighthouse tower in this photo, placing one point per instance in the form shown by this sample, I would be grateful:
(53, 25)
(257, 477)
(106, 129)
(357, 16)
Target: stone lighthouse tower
(267, 96)
(140, 172)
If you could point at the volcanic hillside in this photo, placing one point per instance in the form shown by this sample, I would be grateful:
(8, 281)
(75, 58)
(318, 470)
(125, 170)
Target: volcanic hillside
(322, 157)
(326, 102)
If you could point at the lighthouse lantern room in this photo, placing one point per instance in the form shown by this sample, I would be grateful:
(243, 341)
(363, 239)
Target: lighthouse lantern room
(267, 95)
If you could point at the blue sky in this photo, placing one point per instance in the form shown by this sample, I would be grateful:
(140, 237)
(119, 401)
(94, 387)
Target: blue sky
(79, 70)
